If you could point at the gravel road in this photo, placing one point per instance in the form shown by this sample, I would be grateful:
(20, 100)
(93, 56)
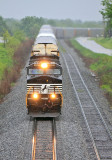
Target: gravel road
(16, 127)
(93, 46)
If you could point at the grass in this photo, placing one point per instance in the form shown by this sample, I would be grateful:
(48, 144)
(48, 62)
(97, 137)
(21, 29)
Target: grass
(105, 42)
(99, 63)
(12, 84)
(5, 60)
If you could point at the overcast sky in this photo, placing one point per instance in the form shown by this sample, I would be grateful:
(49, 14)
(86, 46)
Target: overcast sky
(55, 9)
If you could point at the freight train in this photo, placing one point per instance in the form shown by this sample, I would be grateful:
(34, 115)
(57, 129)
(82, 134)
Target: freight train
(44, 76)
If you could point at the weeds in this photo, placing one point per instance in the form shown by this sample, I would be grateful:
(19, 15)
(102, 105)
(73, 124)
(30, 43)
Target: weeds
(11, 74)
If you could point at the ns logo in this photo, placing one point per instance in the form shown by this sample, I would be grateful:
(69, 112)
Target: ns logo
(45, 88)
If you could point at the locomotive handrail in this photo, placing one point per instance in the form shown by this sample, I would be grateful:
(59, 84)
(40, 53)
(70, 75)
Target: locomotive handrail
(58, 90)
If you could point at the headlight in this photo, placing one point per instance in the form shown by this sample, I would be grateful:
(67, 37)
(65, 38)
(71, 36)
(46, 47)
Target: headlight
(44, 65)
(53, 96)
(35, 95)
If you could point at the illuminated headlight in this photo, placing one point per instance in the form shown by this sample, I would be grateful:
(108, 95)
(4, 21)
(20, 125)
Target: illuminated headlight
(44, 65)
(35, 95)
(53, 96)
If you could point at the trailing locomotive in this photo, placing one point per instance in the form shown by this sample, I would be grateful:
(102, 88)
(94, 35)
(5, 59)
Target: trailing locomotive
(44, 76)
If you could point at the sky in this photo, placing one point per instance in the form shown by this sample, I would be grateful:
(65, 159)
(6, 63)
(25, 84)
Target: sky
(84, 10)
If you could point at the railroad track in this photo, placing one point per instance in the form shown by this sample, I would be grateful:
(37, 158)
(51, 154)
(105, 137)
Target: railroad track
(44, 140)
(98, 129)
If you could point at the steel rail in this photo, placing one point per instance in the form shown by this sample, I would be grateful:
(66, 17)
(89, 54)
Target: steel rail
(54, 139)
(103, 121)
(34, 140)
(88, 127)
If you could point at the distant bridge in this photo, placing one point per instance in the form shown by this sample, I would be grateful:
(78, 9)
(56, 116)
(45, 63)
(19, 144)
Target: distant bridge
(64, 33)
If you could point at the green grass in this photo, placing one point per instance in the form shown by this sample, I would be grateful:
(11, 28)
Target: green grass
(12, 84)
(84, 51)
(100, 63)
(5, 60)
(105, 42)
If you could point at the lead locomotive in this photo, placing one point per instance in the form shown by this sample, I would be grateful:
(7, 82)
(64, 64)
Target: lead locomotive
(44, 76)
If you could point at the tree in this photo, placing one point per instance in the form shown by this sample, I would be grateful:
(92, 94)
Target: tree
(6, 37)
(12, 45)
(107, 15)
(31, 25)
(12, 24)
(34, 30)
(3, 26)
(20, 35)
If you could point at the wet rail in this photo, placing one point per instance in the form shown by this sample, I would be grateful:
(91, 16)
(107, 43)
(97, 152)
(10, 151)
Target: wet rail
(44, 140)
(98, 128)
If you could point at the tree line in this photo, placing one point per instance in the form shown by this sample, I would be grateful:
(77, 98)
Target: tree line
(30, 25)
